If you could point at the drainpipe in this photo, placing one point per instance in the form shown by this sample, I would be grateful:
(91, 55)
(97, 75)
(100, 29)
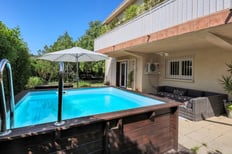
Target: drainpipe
(60, 95)
(228, 16)
(3, 108)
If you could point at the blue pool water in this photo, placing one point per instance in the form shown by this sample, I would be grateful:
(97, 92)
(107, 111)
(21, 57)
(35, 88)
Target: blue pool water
(41, 107)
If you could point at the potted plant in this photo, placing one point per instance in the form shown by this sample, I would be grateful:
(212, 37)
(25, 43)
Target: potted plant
(130, 79)
(226, 81)
(228, 107)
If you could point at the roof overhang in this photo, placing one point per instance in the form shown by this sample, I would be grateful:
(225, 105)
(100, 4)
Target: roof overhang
(118, 10)
(216, 37)
(210, 31)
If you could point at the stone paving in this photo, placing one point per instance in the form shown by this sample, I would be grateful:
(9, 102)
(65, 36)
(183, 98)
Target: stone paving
(211, 136)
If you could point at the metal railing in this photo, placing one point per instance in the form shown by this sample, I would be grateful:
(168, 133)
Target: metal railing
(3, 108)
(60, 96)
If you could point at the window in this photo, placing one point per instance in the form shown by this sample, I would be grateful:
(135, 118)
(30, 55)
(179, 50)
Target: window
(179, 68)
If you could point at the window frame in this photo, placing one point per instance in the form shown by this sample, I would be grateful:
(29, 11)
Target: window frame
(182, 72)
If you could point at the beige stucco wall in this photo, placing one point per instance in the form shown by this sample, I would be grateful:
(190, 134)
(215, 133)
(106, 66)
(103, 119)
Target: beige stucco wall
(133, 63)
(110, 71)
(149, 80)
(139, 71)
(208, 67)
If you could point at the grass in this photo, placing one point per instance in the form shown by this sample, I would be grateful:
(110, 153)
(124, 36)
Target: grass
(196, 148)
(90, 83)
(83, 83)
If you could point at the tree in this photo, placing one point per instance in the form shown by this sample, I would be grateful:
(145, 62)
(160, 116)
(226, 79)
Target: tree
(87, 42)
(63, 42)
(48, 70)
(16, 51)
(21, 68)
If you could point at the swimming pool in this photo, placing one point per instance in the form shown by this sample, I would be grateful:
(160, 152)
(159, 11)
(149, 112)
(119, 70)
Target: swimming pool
(97, 120)
(41, 107)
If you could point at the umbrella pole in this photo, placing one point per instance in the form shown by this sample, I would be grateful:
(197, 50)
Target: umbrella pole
(77, 77)
(60, 96)
(67, 72)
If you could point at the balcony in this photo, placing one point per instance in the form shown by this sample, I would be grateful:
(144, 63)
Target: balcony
(168, 14)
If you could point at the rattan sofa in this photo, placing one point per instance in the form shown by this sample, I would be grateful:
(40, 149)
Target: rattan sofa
(196, 104)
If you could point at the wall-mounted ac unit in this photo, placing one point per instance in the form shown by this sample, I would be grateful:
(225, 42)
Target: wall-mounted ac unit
(152, 68)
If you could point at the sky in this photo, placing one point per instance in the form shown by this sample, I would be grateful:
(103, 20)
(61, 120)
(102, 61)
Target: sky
(41, 22)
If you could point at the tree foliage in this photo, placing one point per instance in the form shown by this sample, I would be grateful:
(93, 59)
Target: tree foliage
(48, 71)
(64, 41)
(87, 42)
(16, 51)
(23, 65)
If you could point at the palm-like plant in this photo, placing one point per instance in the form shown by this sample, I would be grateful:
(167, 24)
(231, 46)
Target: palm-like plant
(226, 81)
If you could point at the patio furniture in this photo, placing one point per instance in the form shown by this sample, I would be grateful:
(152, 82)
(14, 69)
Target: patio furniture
(196, 104)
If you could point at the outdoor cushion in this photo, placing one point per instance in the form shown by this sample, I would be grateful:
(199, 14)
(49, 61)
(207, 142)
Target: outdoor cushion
(161, 93)
(194, 93)
(210, 94)
(179, 91)
(183, 98)
(169, 89)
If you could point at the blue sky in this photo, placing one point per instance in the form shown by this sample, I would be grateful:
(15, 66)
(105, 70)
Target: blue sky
(42, 21)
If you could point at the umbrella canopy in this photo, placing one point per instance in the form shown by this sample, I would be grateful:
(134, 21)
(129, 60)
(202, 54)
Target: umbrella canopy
(75, 54)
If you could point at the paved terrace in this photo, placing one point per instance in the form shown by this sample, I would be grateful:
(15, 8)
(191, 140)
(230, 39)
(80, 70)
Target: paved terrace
(211, 136)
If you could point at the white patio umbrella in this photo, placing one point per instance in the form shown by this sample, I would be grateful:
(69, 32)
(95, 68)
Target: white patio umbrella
(75, 54)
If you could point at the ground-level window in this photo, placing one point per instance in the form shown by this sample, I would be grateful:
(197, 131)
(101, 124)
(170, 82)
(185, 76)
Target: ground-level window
(179, 68)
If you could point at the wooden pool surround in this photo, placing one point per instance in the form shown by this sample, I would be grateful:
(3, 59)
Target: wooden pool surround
(152, 129)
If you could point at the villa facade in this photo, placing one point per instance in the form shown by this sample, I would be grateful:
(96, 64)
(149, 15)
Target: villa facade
(181, 43)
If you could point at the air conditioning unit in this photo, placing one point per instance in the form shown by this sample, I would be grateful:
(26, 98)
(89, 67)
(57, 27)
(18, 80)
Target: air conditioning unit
(152, 68)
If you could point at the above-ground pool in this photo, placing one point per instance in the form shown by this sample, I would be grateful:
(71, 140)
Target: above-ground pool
(97, 120)
(41, 107)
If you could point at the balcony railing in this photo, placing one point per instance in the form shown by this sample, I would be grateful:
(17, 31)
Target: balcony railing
(167, 14)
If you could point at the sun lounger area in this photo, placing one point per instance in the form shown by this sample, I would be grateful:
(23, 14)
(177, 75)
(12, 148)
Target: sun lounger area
(196, 104)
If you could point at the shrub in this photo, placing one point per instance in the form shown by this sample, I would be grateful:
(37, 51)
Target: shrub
(82, 83)
(226, 81)
(33, 81)
(131, 12)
